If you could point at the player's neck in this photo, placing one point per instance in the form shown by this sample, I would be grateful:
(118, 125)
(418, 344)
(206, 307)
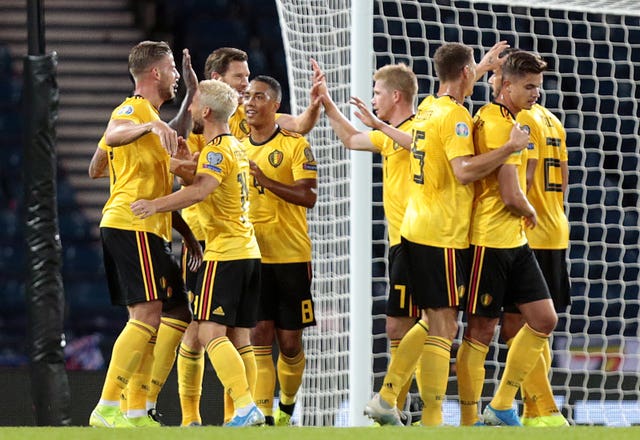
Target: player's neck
(401, 114)
(262, 133)
(453, 90)
(505, 101)
(150, 93)
(214, 129)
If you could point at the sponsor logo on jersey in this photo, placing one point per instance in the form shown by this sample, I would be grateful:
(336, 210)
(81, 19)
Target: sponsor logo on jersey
(310, 167)
(275, 158)
(125, 110)
(462, 129)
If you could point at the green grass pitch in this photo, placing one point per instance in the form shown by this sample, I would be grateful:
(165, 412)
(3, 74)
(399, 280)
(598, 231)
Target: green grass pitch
(296, 433)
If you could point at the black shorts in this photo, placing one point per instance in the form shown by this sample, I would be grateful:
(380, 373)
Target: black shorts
(503, 278)
(285, 295)
(438, 275)
(227, 292)
(553, 264)
(190, 278)
(400, 302)
(140, 267)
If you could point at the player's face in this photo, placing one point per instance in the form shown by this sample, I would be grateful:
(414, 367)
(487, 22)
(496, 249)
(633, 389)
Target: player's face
(237, 76)
(470, 70)
(260, 105)
(195, 109)
(495, 80)
(168, 78)
(382, 101)
(523, 91)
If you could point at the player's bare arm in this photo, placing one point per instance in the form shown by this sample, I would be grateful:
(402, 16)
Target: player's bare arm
(303, 192)
(202, 186)
(351, 137)
(372, 121)
(512, 195)
(468, 169)
(182, 121)
(184, 164)
(122, 132)
(99, 166)
(193, 247)
(491, 60)
(305, 121)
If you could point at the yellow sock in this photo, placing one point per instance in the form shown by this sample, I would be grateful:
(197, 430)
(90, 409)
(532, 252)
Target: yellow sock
(471, 375)
(537, 392)
(402, 395)
(249, 360)
(139, 384)
(434, 378)
(123, 400)
(190, 374)
(289, 372)
(169, 336)
(251, 370)
(126, 355)
(230, 370)
(229, 407)
(522, 356)
(404, 362)
(266, 383)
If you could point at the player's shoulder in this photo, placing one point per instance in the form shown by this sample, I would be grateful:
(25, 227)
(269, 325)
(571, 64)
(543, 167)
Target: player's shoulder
(291, 134)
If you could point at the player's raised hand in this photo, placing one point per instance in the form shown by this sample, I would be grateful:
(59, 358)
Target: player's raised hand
(364, 114)
(188, 74)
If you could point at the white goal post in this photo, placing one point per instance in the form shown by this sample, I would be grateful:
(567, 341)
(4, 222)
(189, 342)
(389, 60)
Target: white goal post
(593, 51)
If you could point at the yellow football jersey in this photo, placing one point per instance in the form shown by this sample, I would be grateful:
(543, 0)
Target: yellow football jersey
(547, 143)
(224, 214)
(396, 178)
(493, 225)
(139, 170)
(281, 227)
(439, 206)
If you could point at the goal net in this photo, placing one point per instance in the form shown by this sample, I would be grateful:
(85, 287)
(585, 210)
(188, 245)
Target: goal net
(593, 51)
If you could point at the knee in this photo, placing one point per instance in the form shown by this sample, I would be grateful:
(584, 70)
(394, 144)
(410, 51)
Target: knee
(481, 329)
(290, 348)
(397, 327)
(546, 323)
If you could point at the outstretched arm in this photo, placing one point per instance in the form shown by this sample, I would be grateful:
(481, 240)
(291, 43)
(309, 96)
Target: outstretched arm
(202, 186)
(370, 120)
(181, 123)
(305, 121)
(351, 137)
(468, 169)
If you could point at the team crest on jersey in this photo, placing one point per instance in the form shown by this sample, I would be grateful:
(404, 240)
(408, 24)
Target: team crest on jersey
(462, 129)
(213, 160)
(486, 299)
(125, 110)
(275, 158)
